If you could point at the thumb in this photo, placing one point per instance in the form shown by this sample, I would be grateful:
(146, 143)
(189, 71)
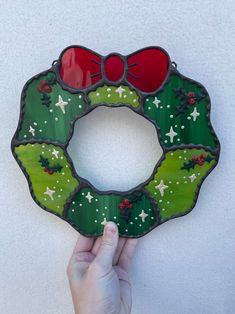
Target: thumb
(108, 245)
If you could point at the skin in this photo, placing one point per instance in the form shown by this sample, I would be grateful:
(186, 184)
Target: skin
(98, 273)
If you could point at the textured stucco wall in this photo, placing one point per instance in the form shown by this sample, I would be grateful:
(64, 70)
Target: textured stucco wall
(184, 266)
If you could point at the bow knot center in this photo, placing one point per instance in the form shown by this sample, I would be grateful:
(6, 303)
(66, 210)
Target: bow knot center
(114, 67)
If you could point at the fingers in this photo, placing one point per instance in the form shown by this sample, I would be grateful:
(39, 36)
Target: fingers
(81, 256)
(127, 253)
(108, 245)
(83, 244)
(96, 245)
(120, 246)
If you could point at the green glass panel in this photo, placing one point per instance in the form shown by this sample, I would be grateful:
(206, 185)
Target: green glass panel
(177, 180)
(89, 211)
(114, 95)
(180, 110)
(48, 110)
(49, 173)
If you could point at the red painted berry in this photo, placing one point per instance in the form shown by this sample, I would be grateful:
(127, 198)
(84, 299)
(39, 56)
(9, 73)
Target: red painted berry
(47, 89)
(50, 172)
(40, 89)
(125, 201)
(201, 162)
(191, 101)
(121, 206)
(191, 94)
(43, 82)
(129, 205)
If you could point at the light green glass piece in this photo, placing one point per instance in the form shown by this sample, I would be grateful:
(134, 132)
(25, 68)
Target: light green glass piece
(114, 95)
(173, 188)
(50, 189)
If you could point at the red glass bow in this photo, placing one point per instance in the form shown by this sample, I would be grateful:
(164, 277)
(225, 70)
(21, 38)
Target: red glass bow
(145, 69)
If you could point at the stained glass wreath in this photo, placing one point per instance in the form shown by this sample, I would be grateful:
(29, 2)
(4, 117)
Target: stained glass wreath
(148, 83)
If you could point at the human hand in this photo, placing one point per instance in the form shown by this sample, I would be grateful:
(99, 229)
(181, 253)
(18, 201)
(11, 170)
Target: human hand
(98, 273)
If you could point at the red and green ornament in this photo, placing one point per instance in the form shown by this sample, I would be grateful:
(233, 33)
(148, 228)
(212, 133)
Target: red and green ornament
(147, 82)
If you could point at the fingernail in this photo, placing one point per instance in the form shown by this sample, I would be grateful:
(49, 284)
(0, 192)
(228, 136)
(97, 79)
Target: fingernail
(110, 229)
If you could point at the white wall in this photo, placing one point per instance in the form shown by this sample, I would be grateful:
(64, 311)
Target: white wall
(184, 266)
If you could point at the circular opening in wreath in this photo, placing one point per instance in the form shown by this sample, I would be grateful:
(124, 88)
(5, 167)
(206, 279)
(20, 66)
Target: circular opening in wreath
(114, 148)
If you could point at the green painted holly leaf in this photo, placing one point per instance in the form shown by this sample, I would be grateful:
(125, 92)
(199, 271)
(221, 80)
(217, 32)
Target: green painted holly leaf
(49, 173)
(181, 111)
(135, 214)
(178, 179)
(48, 110)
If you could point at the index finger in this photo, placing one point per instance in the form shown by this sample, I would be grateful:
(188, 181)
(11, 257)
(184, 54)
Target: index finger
(127, 253)
(84, 244)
